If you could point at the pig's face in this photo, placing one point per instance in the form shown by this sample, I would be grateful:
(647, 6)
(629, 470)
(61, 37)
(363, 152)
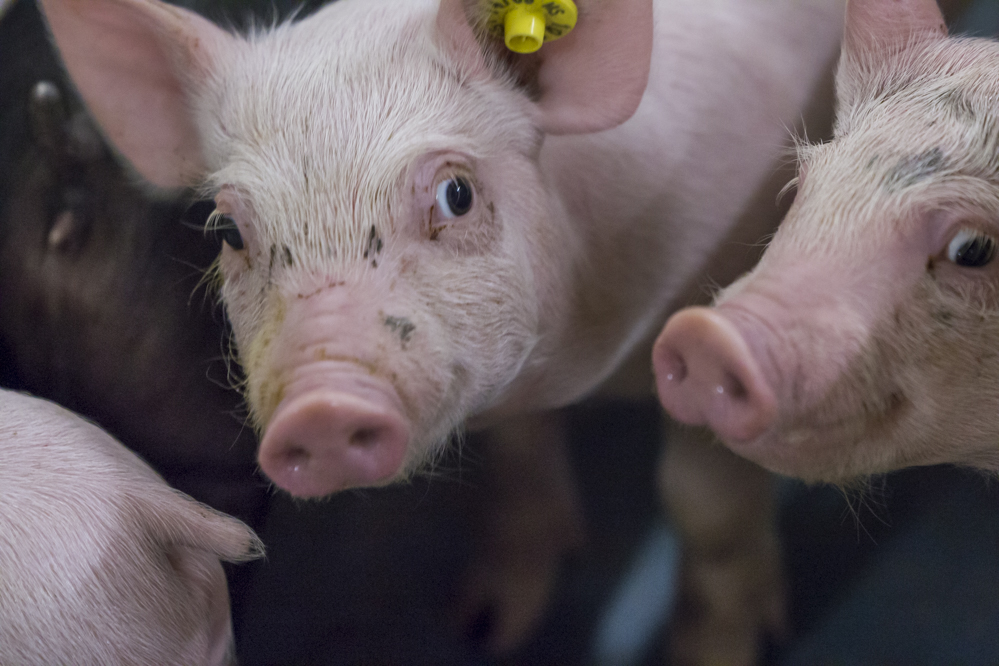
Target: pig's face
(865, 339)
(385, 234)
(392, 245)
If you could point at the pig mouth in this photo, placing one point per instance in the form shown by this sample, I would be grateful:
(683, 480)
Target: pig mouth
(834, 447)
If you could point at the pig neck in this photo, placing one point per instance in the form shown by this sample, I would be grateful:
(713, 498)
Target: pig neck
(640, 210)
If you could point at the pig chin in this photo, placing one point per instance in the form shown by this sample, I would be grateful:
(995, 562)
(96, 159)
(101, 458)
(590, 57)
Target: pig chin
(834, 442)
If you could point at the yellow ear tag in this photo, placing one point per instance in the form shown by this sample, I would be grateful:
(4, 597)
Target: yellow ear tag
(527, 24)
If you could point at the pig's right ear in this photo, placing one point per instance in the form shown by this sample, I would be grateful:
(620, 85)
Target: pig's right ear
(877, 30)
(590, 80)
(136, 64)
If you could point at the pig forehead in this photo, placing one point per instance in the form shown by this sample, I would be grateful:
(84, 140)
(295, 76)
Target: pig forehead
(361, 86)
(951, 83)
(939, 127)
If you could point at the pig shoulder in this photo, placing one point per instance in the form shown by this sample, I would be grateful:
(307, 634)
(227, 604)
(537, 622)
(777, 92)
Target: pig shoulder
(100, 560)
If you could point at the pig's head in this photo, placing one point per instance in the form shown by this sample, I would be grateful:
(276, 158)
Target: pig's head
(374, 169)
(865, 340)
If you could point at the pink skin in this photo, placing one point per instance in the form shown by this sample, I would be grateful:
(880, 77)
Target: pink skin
(188, 113)
(750, 367)
(333, 432)
(338, 423)
(857, 345)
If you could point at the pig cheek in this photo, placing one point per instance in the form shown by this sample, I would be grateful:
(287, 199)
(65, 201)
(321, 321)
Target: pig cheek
(256, 314)
(264, 390)
(951, 370)
(491, 318)
(823, 429)
(920, 389)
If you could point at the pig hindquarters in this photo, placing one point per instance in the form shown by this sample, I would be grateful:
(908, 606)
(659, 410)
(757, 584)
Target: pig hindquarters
(419, 230)
(101, 561)
(865, 340)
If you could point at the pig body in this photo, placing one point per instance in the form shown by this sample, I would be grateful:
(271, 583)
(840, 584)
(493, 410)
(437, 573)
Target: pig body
(102, 562)
(865, 339)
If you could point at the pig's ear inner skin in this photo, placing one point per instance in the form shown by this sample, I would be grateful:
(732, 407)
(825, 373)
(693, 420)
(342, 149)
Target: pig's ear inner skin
(587, 81)
(876, 34)
(125, 57)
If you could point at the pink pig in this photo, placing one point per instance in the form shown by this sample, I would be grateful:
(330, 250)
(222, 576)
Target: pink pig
(100, 561)
(865, 339)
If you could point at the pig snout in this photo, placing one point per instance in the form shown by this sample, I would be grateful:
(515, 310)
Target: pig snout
(337, 434)
(706, 374)
(332, 396)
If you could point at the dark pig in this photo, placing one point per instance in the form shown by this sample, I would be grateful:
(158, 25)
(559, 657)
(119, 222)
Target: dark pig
(100, 305)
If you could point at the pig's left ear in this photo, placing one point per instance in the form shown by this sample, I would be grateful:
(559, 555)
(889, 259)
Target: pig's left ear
(877, 30)
(589, 80)
(137, 64)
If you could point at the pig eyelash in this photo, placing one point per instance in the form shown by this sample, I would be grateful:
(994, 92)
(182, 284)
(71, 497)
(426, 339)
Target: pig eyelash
(791, 185)
(225, 228)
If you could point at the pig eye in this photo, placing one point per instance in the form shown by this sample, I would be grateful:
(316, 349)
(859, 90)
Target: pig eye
(971, 249)
(454, 197)
(232, 237)
(225, 228)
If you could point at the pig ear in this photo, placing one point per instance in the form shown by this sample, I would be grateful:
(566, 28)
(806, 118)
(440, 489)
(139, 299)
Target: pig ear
(877, 30)
(883, 26)
(593, 78)
(136, 64)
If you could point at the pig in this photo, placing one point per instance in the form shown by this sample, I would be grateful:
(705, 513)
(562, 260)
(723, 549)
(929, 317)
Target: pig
(863, 342)
(102, 562)
(421, 230)
(99, 309)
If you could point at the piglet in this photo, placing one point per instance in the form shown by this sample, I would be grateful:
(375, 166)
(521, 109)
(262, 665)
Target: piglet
(101, 561)
(865, 340)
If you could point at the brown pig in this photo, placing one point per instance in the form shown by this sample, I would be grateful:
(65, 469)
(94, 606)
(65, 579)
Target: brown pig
(865, 340)
(100, 561)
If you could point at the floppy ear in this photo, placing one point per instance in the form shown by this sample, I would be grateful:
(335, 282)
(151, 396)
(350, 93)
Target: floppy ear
(590, 80)
(879, 26)
(879, 29)
(136, 64)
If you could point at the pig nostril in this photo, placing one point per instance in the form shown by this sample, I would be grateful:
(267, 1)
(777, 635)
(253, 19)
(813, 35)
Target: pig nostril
(735, 388)
(676, 368)
(364, 437)
(296, 457)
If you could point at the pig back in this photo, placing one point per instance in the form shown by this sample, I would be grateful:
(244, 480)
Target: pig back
(665, 206)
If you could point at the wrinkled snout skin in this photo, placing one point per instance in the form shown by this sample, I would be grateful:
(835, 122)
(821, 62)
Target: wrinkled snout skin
(102, 562)
(863, 342)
